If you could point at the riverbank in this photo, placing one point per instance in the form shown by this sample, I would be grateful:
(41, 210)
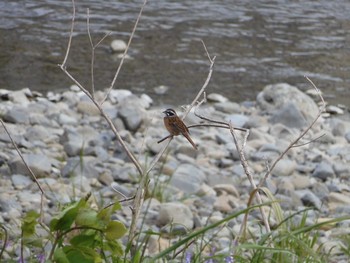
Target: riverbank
(72, 151)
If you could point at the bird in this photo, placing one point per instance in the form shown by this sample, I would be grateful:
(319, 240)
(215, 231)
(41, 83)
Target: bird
(176, 126)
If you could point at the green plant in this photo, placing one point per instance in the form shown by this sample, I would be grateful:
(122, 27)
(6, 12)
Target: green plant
(78, 234)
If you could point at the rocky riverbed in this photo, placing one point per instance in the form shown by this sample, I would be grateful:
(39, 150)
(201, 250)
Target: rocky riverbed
(72, 151)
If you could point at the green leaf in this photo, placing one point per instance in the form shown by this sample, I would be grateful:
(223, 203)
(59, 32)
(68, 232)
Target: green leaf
(83, 240)
(67, 216)
(29, 223)
(114, 247)
(60, 256)
(87, 217)
(137, 257)
(115, 230)
(33, 241)
(81, 255)
(105, 213)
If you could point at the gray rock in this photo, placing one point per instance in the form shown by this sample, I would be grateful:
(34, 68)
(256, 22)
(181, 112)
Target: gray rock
(106, 178)
(126, 173)
(215, 97)
(320, 190)
(65, 119)
(146, 101)
(97, 151)
(308, 198)
(237, 120)
(20, 181)
(40, 119)
(290, 116)
(225, 203)
(223, 138)
(334, 109)
(338, 127)
(19, 97)
(87, 107)
(277, 95)
(341, 169)
(85, 166)
(300, 181)
(188, 178)
(82, 183)
(40, 165)
(37, 132)
(9, 201)
(175, 213)
(120, 190)
(160, 90)
(76, 141)
(337, 200)
(228, 107)
(118, 95)
(118, 45)
(227, 188)
(347, 136)
(17, 115)
(131, 113)
(269, 147)
(323, 171)
(279, 130)
(285, 186)
(284, 167)
(29, 200)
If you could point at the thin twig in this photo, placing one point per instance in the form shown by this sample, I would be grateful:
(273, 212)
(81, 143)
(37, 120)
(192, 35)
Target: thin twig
(246, 168)
(311, 141)
(93, 47)
(166, 137)
(70, 37)
(30, 171)
(212, 60)
(92, 55)
(21, 156)
(125, 53)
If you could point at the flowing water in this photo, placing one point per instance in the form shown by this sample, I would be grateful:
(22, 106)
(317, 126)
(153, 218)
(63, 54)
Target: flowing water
(255, 43)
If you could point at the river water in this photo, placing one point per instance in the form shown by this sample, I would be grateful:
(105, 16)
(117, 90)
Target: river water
(255, 43)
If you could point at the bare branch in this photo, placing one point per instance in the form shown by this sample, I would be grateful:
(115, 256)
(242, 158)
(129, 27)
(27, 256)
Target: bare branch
(99, 107)
(204, 85)
(311, 141)
(125, 52)
(70, 38)
(92, 54)
(249, 175)
(28, 168)
(93, 47)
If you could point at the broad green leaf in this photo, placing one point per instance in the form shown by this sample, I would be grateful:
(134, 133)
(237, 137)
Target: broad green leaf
(83, 240)
(114, 247)
(60, 256)
(87, 217)
(81, 255)
(105, 213)
(29, 222)
(115, 230)
(33, 241)
(67, 216)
